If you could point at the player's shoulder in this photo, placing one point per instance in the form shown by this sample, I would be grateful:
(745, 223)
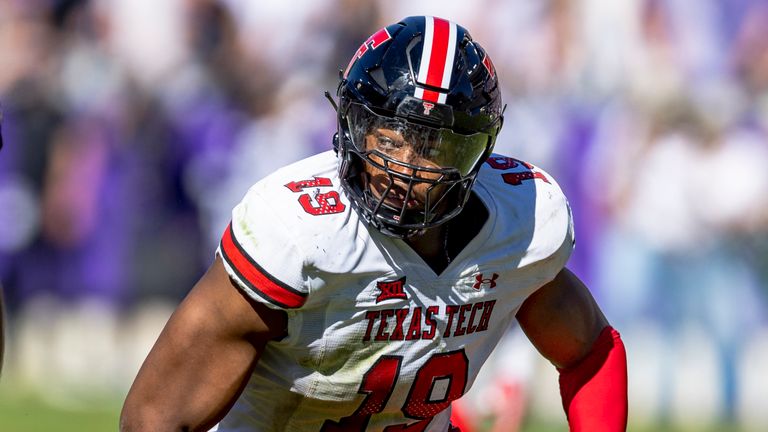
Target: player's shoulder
(529, 206)
(516, 183)
(286, 180)
(299, 196)
(282, 226)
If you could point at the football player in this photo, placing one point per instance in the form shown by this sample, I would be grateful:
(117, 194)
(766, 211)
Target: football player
(363, 289)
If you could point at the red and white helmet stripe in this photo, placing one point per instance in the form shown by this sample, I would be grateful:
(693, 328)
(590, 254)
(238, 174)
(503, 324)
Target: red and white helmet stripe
(436, 59)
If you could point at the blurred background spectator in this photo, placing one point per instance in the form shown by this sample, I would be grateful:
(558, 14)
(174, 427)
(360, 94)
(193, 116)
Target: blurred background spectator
(132, 127)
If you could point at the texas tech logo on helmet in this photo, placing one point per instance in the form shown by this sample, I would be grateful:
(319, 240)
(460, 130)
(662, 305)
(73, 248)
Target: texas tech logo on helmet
(374, 41)
(489, 65)
(427, 107)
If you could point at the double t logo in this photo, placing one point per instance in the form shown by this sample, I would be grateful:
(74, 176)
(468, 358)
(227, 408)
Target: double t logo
(374, 42)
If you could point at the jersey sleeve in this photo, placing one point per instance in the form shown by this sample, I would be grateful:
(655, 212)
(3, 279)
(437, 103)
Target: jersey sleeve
(535, 226)
(259, 254)
(567, 243)
(553, 238)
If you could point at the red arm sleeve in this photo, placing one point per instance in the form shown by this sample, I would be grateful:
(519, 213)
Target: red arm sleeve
(594, 392)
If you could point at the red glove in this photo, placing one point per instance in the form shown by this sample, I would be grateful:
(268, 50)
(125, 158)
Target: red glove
(594, 391)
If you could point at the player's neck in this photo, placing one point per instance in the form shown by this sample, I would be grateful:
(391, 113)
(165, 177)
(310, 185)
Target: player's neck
(430, 246)
(440, 245)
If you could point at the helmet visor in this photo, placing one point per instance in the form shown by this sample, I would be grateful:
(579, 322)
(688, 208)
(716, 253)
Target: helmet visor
(415, 144)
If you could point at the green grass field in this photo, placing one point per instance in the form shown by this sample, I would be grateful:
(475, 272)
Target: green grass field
(29, 413)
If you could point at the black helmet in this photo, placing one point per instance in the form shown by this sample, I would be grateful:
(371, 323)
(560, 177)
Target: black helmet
(423, 85)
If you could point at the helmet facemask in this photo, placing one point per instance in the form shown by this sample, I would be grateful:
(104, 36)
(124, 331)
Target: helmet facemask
(406, 177)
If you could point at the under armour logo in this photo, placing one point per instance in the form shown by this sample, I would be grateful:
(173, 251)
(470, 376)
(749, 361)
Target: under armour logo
(391, 289)
(482, 281)
(427, 107)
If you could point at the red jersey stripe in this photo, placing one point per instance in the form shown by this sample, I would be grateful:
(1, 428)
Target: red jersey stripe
(256, 277)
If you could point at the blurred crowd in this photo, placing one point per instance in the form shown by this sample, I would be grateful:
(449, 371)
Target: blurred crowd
(132, 127)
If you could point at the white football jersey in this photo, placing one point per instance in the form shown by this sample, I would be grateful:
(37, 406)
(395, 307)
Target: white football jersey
(376, 340)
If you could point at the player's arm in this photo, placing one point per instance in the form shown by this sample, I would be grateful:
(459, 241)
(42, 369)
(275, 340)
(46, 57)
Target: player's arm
(565, 324)
(202, 359)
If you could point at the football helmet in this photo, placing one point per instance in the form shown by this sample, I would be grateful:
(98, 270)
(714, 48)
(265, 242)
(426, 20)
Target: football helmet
(418, 114)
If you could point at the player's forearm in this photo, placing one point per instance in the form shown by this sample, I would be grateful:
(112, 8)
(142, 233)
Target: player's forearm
(151, 406)
(183, 388)
(164, 409)
(173, 392)
(146, 418)
(594, 391)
